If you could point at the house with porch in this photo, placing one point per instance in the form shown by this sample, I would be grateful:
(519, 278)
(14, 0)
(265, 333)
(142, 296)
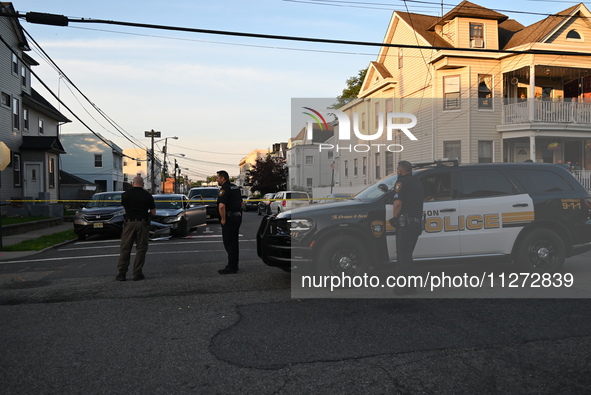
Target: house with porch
(29, 124)
(526, 95)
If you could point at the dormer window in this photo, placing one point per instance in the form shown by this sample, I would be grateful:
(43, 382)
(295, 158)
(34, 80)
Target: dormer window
(573, 35)
(476, 35)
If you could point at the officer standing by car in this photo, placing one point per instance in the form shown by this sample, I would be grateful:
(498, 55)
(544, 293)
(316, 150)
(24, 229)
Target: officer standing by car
(230, 212)
(408, 218)
(138, 204)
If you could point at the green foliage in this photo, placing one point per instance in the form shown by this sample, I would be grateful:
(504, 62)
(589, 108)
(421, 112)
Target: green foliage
(268, 175)
(42, 242)
(20, 220)
(352, 90)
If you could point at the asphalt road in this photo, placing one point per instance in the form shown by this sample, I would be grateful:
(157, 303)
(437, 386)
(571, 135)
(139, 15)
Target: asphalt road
(68, 327)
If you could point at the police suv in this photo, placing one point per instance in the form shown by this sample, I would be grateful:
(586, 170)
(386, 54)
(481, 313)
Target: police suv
(533, 214)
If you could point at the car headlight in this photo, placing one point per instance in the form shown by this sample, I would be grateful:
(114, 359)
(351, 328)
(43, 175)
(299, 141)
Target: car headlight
(169, 220)
(300, 225)
(79, 214)
(117, 214)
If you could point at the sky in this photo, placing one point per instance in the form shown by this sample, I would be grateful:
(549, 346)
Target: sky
(221, 96)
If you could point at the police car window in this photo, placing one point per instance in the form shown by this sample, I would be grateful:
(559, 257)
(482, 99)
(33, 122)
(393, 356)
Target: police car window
(541, 180)
(485, 183)
(375, 191)
(437, 186)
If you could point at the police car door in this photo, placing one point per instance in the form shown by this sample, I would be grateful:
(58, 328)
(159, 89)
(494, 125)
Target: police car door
(441, 204)
(492, 212)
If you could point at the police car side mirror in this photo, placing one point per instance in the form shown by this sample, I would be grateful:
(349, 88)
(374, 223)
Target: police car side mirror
(383, 187)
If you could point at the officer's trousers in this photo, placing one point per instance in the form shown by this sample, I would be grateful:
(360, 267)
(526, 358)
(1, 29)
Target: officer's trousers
(138, 232)
(406, 240)
(230, 233)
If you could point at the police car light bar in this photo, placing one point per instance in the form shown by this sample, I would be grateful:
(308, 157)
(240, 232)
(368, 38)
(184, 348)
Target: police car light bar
(438, 163)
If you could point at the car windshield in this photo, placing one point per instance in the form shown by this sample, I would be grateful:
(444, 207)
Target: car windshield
(167, 203)
(105, 200)
(206, 193)
(378, 189)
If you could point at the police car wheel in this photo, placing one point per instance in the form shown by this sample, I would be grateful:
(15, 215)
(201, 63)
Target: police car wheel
(541, 250)
(341, 255)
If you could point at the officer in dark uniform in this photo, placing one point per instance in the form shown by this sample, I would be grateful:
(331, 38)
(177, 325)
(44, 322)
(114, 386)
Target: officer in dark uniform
(230, 211)
(408, 218)
(138, 204)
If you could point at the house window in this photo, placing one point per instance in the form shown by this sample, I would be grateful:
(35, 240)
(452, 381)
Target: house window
(485, 91)
(346, 168)
(355, 165)
(98, 160)
(26, 118)
(138, 163)
(389, 162)
(14, 64)
(377, 115)
(24, 75)
(363, 122)
(16, 124)
(451, 93)
(309, 182)
(125, 178)
(378, 173)
(485, 151)
(476, 35)
(309, 160)
(330, 154)
(52, 173)
(41, 130)
(364, 169)
(5, 99)
(573, 35)
(452, 149)
(16, 170)
(400, 58)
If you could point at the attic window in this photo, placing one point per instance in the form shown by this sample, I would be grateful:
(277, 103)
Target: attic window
(573, 35)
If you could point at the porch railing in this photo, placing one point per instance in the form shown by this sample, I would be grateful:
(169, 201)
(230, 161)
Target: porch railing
(548, 111)
(584, 177)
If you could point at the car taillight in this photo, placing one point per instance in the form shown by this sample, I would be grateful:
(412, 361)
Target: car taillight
(588, 203)
(284, 203)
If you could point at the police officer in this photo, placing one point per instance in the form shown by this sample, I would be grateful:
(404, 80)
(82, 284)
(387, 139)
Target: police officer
(408, 217)
(230, 211)
(138, 204)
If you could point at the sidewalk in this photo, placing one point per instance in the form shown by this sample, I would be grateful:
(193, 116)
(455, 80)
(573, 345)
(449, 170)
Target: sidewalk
(15, 239)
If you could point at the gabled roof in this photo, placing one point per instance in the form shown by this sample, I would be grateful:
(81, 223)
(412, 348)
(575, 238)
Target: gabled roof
(539, 30)
(38, 102)
(7, 8)
(422, 25)
(319, 135)
(469, 10)
(42, 143)
(70, 179)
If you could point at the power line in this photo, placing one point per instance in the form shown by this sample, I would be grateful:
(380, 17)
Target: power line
(63, 21)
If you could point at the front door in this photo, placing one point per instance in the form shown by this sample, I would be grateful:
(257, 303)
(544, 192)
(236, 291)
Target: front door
(33, 180)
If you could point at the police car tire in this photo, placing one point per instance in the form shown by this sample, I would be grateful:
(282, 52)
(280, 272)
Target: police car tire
(338, 251)
(541, 250)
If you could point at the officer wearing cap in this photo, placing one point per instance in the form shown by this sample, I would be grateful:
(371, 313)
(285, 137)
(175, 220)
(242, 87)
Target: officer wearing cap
(139, 205)
(408, 218)
(230, 211)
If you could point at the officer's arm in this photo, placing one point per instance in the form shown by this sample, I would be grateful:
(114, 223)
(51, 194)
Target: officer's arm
(222, 210)
(397, 206)
(153, 211)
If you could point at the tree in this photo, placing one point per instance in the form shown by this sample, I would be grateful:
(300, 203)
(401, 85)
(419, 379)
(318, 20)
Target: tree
(268, 175)
(352, 90)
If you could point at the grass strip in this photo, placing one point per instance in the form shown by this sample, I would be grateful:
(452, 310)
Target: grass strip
(20, 220)
(42, 242)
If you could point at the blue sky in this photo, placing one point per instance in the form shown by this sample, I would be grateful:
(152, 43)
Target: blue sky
(222, 96)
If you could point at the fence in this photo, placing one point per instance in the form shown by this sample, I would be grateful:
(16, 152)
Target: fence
(584, 177)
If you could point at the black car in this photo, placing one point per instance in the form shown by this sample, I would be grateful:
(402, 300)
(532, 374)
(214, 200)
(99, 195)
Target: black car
(103, 214)
(207, 196)
(250, 203)
(533, 214)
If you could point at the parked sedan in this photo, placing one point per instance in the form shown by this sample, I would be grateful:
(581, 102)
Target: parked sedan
(179, 213)
(103, 214)
(250, 203)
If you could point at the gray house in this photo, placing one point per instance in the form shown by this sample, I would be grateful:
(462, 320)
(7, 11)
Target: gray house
(29, 124)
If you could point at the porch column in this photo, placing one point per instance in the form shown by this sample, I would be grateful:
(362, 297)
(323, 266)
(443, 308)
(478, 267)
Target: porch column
(532, 147)
(531, 93)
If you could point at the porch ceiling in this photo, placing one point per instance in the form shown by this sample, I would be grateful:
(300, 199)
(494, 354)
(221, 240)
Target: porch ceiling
(566, 73)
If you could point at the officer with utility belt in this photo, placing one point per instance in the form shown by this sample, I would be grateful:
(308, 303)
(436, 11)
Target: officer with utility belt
(408, 220)
(230, 212)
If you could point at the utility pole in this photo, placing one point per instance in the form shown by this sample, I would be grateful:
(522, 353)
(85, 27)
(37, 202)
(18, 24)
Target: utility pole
(152, 134)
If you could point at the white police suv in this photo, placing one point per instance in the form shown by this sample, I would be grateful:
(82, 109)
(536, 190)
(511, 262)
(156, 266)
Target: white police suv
(533, 214)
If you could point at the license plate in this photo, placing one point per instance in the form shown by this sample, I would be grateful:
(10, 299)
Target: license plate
(97, 225)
